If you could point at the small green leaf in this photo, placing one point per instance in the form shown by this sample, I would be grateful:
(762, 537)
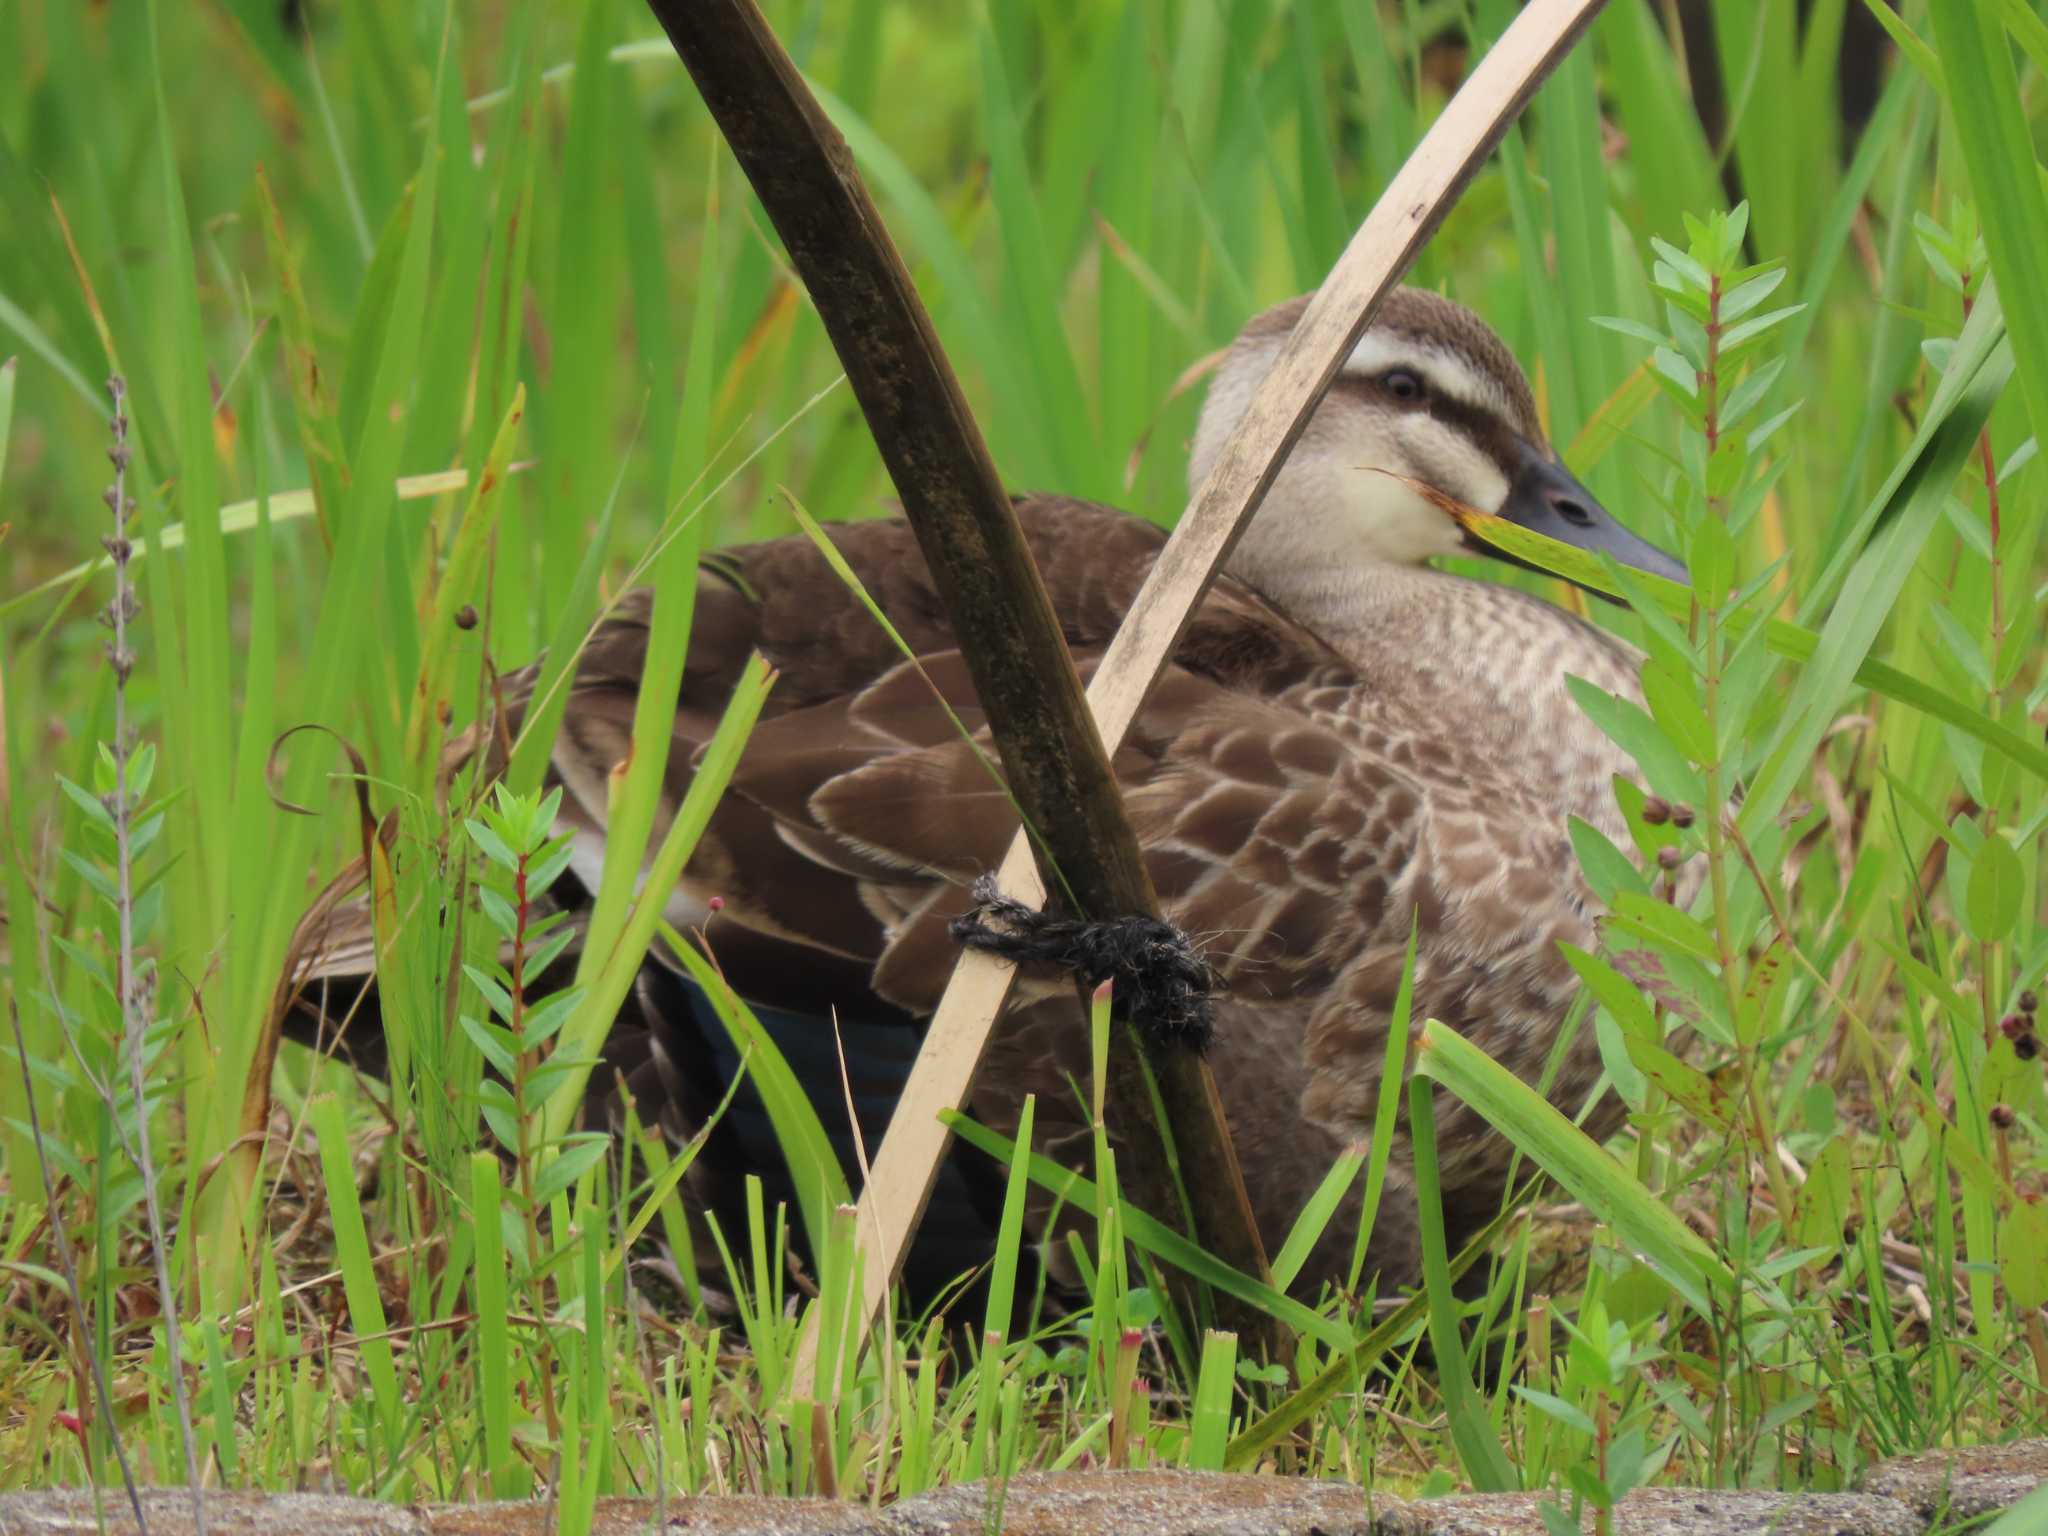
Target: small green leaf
(1616, 993)
(495, 1043)
(1937, 258)
(1607, 869)
(1745, 396)
(493, 846)
(543, 955)
(1682, 264)
(568, 1165)
(2023, 1255)
(1675, 706)
(1588, 1486)
(1725, 469)
(1996, 881)
(1764, 432)
(1633, 328)
(498, 910)
(1557, 1408)
(548, 868)
(1744, 297)
(1681, 374)
(1822, 1209)
(1631, 729)
(1750, 330)
(542, 1022)
(499, 999)
(1662, 924)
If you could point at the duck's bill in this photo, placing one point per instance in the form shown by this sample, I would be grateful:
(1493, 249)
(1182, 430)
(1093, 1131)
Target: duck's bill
(1545, 499)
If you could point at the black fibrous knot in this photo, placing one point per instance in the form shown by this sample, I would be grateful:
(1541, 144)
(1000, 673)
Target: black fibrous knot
(1162, 983)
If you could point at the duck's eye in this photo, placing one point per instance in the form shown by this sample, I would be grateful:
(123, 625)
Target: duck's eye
(1404, 384)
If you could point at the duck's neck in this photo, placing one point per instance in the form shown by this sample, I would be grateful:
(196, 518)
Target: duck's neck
(1366, 612)
(1488, 659)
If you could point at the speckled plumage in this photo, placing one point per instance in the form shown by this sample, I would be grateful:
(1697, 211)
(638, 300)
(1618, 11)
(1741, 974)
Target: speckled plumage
(1305, 787)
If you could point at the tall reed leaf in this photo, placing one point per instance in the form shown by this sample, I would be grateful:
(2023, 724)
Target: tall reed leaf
(1640, 1221)
(607, 976)
(1998, 146)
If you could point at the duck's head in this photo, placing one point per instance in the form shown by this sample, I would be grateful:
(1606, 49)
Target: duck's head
(1430, 395)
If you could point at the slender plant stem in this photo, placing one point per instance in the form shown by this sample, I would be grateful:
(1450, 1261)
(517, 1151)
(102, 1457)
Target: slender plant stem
(134, 990)
(523, 1064)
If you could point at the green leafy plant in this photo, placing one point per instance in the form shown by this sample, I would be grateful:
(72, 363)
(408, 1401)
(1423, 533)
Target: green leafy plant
(516, 834)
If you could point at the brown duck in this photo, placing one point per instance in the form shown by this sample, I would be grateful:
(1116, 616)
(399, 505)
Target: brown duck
(1349, 742)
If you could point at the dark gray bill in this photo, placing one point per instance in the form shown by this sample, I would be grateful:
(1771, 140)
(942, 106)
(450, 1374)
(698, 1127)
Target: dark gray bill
(1545, 499)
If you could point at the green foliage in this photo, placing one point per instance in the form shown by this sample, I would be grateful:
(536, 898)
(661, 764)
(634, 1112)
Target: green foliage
(515, 833)
(555, 312)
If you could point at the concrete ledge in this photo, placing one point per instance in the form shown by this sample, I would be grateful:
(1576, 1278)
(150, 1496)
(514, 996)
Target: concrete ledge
(1667, 1512)
(1901, 1497)
(1961, 1485)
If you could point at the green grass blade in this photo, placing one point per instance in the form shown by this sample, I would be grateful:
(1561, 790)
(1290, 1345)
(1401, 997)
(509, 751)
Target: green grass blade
(9, 371)
(1643, 1224)
(607, 977)
(494, 1334)
(1315, 1215)
(197, 714)
(1002, 1283)
(1386, 1113)
(813, 1166)
(1215, 1391)
(358, 1273)
(576, 428)
(459, 585)
(1667, 146)
(631, 815)
(1998, 146)
(1485, 1464)
(1021, 440)
(1033, 291)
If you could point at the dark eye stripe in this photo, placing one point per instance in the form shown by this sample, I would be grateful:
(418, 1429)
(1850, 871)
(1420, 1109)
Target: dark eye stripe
(1494, 436)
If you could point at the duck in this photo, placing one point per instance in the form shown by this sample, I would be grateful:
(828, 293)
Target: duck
(1350, 744)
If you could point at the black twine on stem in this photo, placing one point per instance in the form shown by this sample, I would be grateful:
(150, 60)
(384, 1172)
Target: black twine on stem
(1162, 983)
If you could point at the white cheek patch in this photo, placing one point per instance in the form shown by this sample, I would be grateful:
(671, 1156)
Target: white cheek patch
(1454, 464)
(1387, 522)
(1447, 373)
